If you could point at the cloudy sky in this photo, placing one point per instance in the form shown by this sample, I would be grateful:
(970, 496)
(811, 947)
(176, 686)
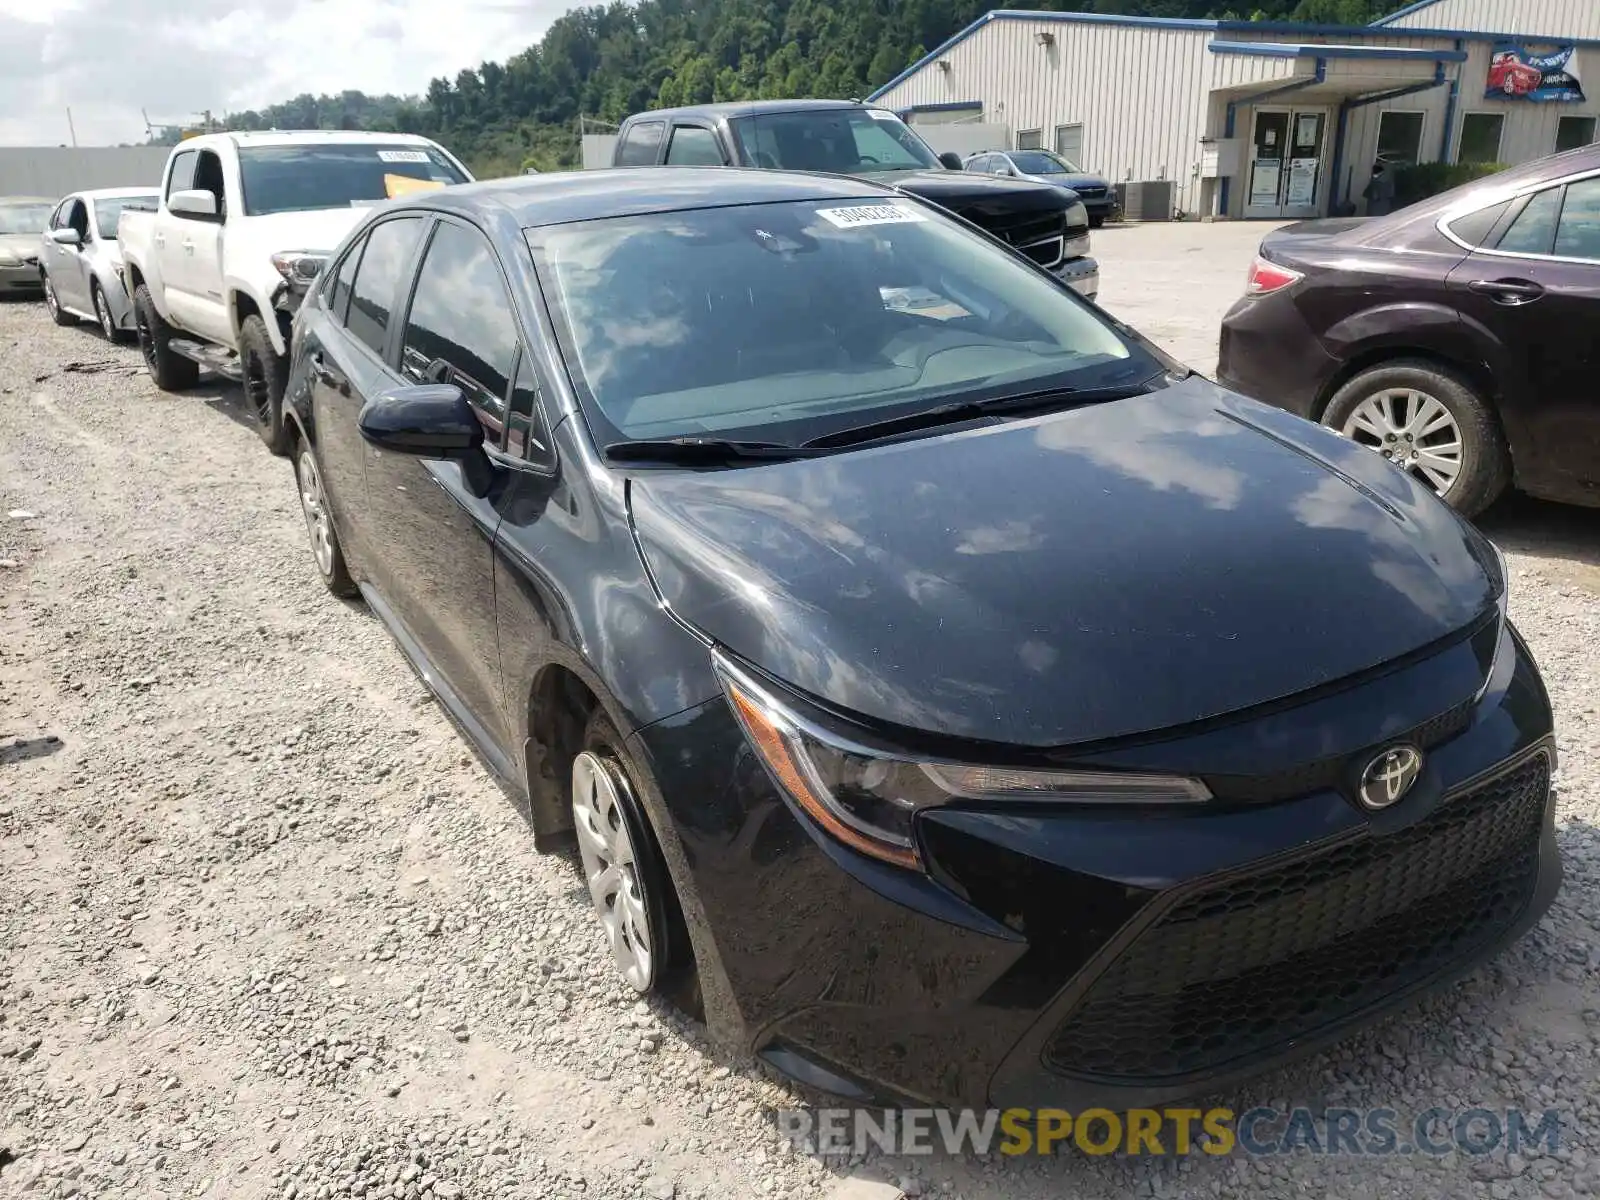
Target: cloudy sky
(107, 59)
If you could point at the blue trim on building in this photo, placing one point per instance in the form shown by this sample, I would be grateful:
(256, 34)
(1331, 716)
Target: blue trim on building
(1405, 12)
(1378, 29)
(1313, 50)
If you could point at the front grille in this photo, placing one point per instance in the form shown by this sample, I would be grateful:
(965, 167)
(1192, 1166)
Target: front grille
(1021, 229)
(1246, 966)
(1046, 253)
(1329, 774)
(1089, 193)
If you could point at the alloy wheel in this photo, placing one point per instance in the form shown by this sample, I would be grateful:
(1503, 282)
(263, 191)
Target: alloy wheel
(610, 867)
(147, 338)
(1414, 431)
(256, 392)
(103, 311)
(315, 507)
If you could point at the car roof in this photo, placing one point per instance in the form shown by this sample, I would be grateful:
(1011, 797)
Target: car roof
(108, 193)
(561, 197)
(299, 137)
(748, 108)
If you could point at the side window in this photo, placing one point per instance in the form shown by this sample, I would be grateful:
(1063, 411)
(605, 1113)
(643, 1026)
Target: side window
(461, 328)
(1474, 228)
(1578, 234)
(386, 256)
(640, 144)
(208, 178)
(693, 146)
(182, 177)
(78, 218)
(337, 292)
(58, 219)
(526, 436)
(1534, 229)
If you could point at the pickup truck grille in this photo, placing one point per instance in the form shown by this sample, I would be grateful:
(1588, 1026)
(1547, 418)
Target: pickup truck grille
(1041, 236)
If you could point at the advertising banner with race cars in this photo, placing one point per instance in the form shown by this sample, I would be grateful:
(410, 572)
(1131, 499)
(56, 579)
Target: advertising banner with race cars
(1515, 74)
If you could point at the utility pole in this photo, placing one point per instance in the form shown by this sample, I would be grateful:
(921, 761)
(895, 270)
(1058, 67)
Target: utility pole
(72, 129)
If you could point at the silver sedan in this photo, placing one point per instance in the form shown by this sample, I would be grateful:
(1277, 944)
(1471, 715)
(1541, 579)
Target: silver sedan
(82, 264)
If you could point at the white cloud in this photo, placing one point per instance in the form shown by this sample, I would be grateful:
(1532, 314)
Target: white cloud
(107, 59)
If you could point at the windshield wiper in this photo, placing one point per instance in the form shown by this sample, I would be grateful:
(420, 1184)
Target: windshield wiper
(969, 410)
(700, 450)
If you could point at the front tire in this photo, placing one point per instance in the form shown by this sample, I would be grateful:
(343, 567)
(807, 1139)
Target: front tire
(52, 304)
(1431, 424)
(1096, 222)
(266, 378)
(326, 551)
(622, 864)
(171, 371)
(102, 310)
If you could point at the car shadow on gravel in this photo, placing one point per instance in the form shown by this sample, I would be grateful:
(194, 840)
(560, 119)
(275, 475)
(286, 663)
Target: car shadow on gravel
(1522, 524)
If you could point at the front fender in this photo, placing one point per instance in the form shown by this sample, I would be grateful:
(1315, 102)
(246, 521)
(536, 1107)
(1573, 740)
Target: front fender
(260, 294)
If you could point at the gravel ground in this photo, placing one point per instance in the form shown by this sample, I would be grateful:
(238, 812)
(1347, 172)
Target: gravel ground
(266, 929)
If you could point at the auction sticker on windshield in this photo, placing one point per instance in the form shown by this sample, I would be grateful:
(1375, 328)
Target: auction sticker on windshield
(870, 214)
(411, 156)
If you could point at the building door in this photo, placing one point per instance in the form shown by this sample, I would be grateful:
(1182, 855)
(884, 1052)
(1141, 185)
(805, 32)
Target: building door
(1285, 169)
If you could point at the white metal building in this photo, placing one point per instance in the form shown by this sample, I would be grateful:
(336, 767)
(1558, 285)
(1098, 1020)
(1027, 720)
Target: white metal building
(1271, 119)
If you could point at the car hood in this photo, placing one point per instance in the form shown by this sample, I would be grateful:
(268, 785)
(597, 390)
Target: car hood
(976, 196)
(1088, 574)
(21, 243)
(319, 229)
(1075, 180)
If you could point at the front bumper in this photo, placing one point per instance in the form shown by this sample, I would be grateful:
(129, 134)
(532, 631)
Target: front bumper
(1081, 274)
(1096, 957)
(24, 278)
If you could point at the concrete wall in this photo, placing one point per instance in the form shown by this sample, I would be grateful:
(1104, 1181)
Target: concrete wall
(56, 170)
(597, 148)
(1524, 18)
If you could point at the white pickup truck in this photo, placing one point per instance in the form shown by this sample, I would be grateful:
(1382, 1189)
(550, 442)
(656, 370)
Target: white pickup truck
(219, 264)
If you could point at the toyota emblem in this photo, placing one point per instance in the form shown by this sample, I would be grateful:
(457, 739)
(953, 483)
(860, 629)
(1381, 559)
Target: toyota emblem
(1390, 776)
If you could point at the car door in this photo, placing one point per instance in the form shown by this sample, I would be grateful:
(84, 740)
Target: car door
(170, 229)
(344, 342)
(68, 270)
(433, 530)
(1535, 288)
(200, 240)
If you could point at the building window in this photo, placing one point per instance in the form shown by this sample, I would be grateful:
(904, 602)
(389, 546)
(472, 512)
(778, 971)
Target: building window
(1480, 137)
(1399, 137)
(1069, 144)
(1030, 139)
(1572, 132)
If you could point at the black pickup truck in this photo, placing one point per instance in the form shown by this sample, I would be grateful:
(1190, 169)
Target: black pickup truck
(1048, 224)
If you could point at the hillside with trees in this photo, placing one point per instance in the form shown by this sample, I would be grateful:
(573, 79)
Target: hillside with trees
(603, 62)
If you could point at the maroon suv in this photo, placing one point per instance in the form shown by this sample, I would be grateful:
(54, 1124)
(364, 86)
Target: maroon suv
(1456, 337)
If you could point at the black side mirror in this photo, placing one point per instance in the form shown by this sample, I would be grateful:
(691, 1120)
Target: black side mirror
(430, 420)
(952, 161)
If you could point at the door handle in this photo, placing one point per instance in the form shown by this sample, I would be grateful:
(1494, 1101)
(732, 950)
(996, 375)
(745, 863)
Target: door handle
(161, 239)
(1507, 291)
(327, 376)
(188, 247)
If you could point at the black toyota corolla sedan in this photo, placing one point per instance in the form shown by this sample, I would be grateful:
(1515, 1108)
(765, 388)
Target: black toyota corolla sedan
(958, 699)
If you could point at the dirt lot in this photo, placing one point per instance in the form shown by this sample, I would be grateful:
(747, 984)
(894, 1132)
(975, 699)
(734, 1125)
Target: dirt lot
(267, 930)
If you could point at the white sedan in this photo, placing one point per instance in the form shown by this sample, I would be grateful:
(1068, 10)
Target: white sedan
(82, 264)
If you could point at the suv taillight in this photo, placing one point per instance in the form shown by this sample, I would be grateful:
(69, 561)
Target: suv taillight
(1268, 277)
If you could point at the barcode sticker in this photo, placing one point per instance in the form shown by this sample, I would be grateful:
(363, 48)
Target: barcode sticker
(878, 114)
(411, 156)
(870, 214)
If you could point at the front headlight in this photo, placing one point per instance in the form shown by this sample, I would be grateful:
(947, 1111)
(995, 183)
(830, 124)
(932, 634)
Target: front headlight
(299, 268)
(868, 799)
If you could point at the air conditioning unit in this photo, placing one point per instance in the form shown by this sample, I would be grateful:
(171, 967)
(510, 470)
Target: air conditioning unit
(1145, 199)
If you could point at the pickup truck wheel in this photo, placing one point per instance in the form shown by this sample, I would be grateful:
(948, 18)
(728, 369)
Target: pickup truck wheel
(57, 314)
(171, 371)
(266, 376)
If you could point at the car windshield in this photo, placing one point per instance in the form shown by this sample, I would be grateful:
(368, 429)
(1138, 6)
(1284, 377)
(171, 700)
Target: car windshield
(278, 179)
(24, 218)
(108, 208)
(788, 321)
(845, 141)
(1042, 162)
